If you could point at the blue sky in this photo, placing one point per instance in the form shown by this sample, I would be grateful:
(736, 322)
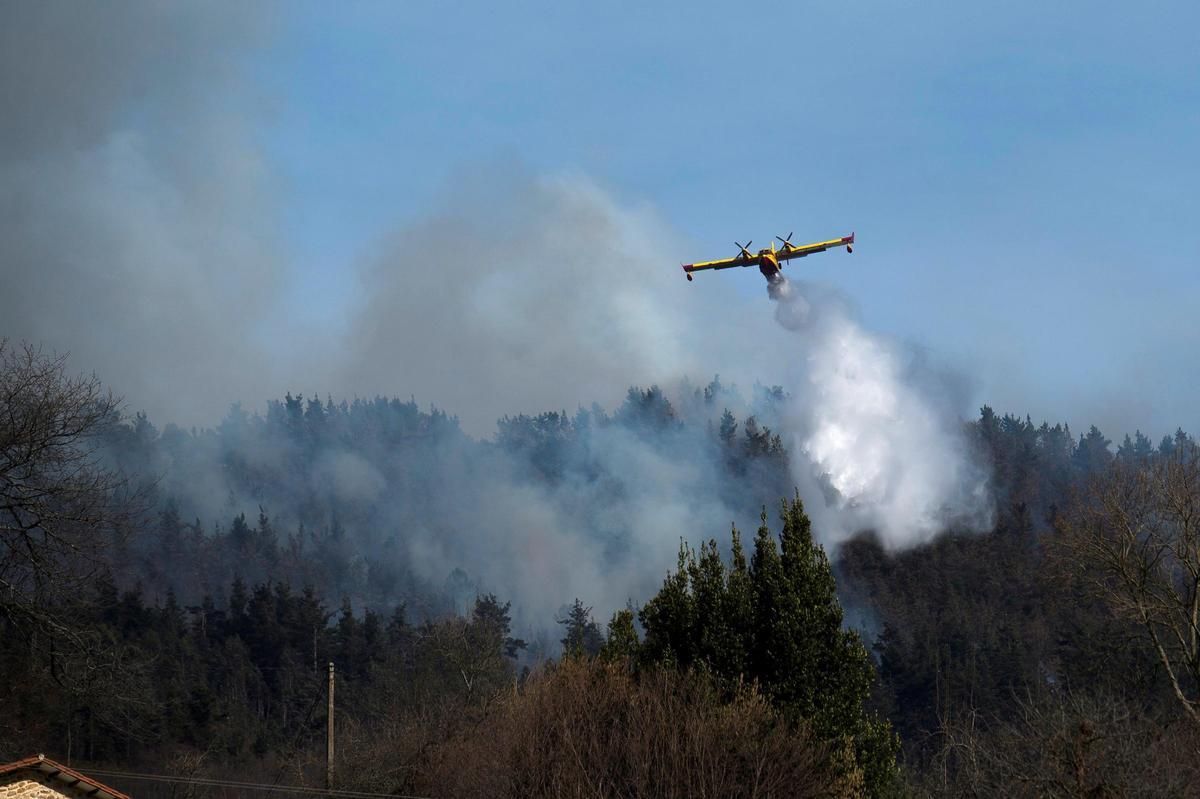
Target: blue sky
(1022, 177)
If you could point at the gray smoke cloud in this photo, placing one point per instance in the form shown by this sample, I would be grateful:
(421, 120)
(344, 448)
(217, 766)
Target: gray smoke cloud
(608, 540)
(522, 293)
(137, 230)
(135, 211)
(556, 294)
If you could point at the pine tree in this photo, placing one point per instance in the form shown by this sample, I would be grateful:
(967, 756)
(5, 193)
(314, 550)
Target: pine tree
(828, 673)
(492, 623)
(777, 622)
(728, 430)
(738, 611)
(707, 577)
(1092, 456)
(766, 592)
(582, 635)
(235, 619)
(669, 618)
(349, 646)
(621, 646)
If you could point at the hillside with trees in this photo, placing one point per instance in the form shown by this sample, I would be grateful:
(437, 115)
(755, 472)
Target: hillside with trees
(151, 623)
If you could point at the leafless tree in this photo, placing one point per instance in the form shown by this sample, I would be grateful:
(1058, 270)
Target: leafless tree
(587, 728)
(61, 515)
(1135, 533)
(1061, 744)
(59, 508)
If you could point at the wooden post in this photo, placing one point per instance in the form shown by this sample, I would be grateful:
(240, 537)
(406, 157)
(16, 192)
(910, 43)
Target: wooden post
(329, 735)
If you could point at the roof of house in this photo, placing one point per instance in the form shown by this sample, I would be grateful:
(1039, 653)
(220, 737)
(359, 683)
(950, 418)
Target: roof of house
(72, 779)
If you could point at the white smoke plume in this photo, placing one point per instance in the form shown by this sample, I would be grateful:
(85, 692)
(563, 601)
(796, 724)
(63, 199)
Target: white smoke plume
(876, 443)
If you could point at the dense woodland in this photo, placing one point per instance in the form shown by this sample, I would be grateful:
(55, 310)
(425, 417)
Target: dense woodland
(151, 624)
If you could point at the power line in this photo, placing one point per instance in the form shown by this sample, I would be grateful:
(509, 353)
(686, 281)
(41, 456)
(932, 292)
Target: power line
(258, 786)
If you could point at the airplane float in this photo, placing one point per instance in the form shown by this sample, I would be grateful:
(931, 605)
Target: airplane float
(770, 260)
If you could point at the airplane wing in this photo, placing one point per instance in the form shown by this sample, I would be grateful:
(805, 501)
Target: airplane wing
(724, 263)
(792, 251)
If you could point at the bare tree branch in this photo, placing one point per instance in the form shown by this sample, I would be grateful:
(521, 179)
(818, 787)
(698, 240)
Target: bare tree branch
(1136, 534)
(62, 514)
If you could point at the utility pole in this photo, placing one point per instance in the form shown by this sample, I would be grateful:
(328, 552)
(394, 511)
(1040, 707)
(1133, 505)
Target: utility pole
(329, 735)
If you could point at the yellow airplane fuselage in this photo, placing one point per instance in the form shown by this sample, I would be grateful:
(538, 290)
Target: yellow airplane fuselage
(768, 264)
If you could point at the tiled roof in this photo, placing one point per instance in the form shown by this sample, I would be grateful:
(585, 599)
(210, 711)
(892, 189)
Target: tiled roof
(70, 778)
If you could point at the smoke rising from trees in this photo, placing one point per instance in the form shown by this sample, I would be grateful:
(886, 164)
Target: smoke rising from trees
(522, 293)
(139, 233)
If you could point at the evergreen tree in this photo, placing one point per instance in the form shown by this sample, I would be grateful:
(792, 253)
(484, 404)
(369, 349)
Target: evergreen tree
(581, 636)
(669, 617)
(707, 578)
(646, 410)
(738, 611)
(1092, 456)
(399, 632)
(235, 619)
(493, 623)
(621, 645)
(828, 674)
(777, 622)
(728, 430)
(767, 589)
(350, 646)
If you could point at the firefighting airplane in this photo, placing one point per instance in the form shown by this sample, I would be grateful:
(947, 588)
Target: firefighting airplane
(769, 260)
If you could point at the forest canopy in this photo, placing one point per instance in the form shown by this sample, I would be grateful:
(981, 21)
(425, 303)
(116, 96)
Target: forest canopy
(149, 619)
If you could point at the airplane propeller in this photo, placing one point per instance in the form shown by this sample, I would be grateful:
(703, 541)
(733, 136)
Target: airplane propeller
(787, 242)
(745, 248)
